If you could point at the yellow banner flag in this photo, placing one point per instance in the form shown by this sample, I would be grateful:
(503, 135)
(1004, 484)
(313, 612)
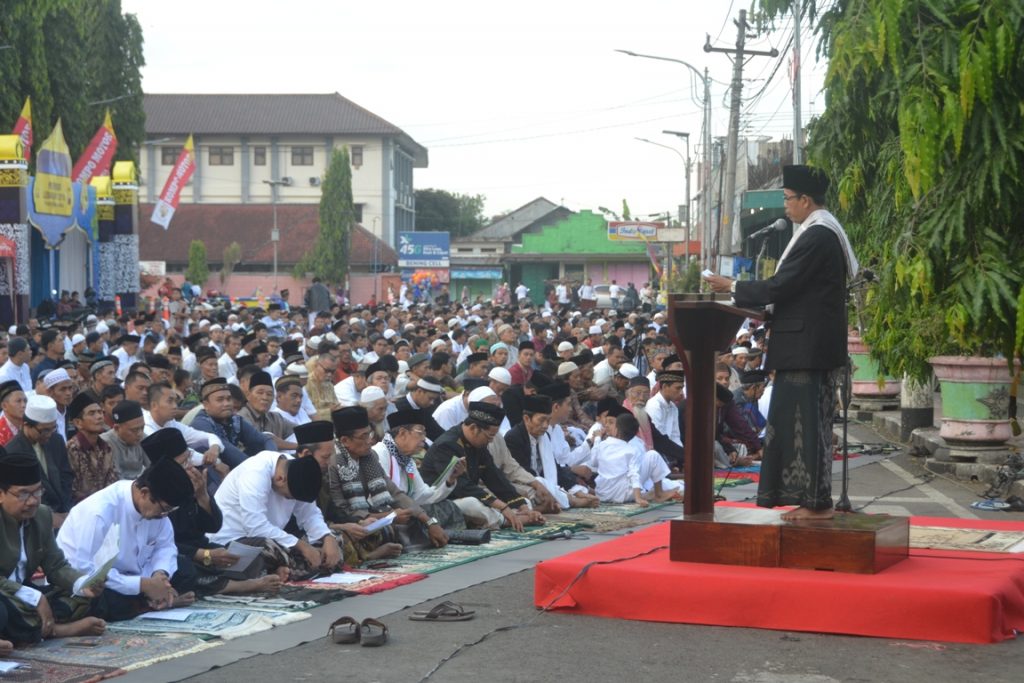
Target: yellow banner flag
(52, 189)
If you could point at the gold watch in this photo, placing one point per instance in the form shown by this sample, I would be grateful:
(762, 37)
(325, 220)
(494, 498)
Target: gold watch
(207, 560)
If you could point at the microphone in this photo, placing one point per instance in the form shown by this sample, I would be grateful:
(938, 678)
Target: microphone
(778, 226)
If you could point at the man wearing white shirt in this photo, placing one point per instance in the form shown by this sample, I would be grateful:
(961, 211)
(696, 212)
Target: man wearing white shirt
(261, 495)
(288, 403)
(126, 354)
(162, 408)
(16, 367)
(226, 365)
(663, 413)
(144, 574)
(562, 293)
(587, 295)
(613, 293)
(521, 292)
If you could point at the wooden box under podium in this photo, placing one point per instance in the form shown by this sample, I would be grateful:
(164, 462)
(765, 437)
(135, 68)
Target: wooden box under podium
(849, 542)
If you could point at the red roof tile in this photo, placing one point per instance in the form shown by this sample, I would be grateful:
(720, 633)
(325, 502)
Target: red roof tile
(218, 225)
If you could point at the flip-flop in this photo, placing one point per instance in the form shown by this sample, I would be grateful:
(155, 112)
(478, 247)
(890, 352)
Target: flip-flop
(345, 631)
(371, 639)
(444, 611)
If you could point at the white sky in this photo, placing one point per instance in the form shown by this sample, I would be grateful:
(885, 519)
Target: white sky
(512, 101)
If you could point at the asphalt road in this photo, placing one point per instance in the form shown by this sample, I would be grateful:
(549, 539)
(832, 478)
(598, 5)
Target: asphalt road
(537, 646)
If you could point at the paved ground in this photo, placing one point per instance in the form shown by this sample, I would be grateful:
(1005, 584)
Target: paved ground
(543, 647)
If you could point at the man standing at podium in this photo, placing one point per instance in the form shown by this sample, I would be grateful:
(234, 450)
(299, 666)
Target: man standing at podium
(806, 300)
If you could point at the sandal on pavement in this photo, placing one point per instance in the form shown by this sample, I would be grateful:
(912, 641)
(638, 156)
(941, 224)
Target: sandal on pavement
(445, 611)
(345, 631)
(371, 639)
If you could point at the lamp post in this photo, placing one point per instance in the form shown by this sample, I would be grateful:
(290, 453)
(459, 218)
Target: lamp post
(706, 175)
(685, 136)
(275, 234)
(686, 164)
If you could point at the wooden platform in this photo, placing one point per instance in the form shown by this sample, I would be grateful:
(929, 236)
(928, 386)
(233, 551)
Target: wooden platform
(753, 537)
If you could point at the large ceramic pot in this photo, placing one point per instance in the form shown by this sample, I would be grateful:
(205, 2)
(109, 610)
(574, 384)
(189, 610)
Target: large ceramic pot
(975, 399)
(866, 375)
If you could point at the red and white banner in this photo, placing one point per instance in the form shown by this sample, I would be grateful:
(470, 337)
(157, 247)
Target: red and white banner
(96, 159)
(183, 169)
(23, 128)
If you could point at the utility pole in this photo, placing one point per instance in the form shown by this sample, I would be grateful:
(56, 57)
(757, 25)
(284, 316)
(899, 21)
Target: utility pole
(798, 155)
(731, 237)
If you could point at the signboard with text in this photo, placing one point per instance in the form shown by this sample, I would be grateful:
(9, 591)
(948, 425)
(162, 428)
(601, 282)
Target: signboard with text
(423, 249)
(633, 230)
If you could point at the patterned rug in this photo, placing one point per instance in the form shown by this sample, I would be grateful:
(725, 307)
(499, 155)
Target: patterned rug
(125, 651)
(392, 577)
(37, 671)
(734, 480)
(753, 473)
(599, 523)
(223, 623)
(436, 559)
(257, 602)
(555, 524)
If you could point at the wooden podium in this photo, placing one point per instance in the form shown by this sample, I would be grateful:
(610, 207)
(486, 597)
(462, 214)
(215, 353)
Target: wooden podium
(701, 325)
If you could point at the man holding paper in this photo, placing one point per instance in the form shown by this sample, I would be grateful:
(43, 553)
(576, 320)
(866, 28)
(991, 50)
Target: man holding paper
(26, 614)
(259, 497)
(362, 493)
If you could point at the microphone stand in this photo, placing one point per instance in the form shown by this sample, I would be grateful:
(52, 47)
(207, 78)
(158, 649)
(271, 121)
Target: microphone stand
(760, 255)
(845, 398)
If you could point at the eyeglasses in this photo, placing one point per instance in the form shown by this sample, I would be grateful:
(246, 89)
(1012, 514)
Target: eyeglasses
(44, 429)
(165, 511)
(365, 436)
(24, 496)
(792, 197)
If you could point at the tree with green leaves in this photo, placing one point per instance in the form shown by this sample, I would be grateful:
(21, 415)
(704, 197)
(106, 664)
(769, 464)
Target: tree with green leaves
(458, 214)
(329, 257)
(75, 59)
(923, 137)
(198, 271)
(230, 258)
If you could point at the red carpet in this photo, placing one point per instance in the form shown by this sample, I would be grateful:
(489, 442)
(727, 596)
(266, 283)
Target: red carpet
(964, 597)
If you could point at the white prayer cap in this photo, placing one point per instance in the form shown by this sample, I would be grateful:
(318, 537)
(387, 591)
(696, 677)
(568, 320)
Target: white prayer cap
(601, 321)
(102, 328)
(389, 333)
(565, 346)
(545, 314)
(331, 337)
(567, 368)
(595, 329)
(659, 315)
(297, 370)
(237, 327)
(354, 321)
(91, 318)
(409, 326)
(452, 322)
(628, 370)
(476, 307)
(740, 351)
(371, 394)
(403, 367)
(500, 375)
(204, 323)
(438, 343)
(78, 339)
(13, 329)
(41, 409)
(55, 377)
(438, 319)
(480, 393)
(313, 342)
(216, 326)
(297, 336)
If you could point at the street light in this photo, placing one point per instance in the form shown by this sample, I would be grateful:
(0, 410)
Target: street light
(275, 234)
(706, 80)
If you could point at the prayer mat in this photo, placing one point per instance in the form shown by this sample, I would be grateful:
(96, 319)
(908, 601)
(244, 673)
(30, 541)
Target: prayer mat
(628, 509)
(38, 671)
(223, 623)
(380, 580)
(125, 651)
(318, 596)
(739, 473)
(555, 524)
(597, 523)
(729, 482)
(258, 602)
(436, 559)
(978, 540)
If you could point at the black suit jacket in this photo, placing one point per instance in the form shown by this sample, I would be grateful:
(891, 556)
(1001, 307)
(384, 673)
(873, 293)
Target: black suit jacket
(512, 403)
(434, 430)
(518, 441)
(58, 475)
(809, 323)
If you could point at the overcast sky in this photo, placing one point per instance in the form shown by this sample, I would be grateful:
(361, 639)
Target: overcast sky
(512, 101)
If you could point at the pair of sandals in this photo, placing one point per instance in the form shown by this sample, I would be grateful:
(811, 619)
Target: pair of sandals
(444, 611)
(369, 632)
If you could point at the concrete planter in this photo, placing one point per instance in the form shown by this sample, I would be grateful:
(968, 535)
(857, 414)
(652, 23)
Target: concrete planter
(866, 374)
(975, 400)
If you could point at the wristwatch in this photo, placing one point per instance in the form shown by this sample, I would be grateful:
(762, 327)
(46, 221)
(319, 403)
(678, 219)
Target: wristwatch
(432, 521)
(207, 560)
(732, 287)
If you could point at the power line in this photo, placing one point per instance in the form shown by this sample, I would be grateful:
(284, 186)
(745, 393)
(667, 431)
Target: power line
(558, 134)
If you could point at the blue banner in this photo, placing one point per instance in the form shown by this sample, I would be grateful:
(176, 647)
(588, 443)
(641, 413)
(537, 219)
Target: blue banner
(423, 249)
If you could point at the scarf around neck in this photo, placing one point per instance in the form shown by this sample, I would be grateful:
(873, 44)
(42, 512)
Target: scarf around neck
(363, 484)
(405, 462)
(824, 218)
